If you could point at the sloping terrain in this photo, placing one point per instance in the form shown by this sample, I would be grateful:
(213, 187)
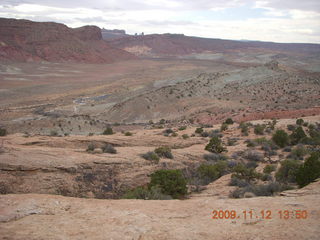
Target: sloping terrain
(23, 40)
(34, 216)
(179, 44)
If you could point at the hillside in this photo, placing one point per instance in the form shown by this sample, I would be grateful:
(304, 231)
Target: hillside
(179, 44)
(23, 40)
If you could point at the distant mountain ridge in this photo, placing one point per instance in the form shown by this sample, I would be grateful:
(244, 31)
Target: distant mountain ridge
(24, 40)
(179, 44)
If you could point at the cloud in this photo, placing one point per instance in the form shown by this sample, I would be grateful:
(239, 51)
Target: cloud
(261, 21)
(305, 5)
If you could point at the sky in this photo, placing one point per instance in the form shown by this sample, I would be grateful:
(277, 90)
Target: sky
(264, 20)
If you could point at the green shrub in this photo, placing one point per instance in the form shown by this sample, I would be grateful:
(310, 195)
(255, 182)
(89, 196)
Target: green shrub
(299, 121)
(223, 127)
(281, 138)
(214, 157)
(108, 131)
(164, 152)
(244, 173)
(199, 130)
(298, 152)
(3, 132)
(151, 156)
(297, 135)
(309, 171)
(128, 134)
(253, 156)
(209, 173)
(244, 128)
(90, 147)
(259, 190)
(162, 121)
(182, 128)
(53, 133)
(288, 170)
(259, 129)
(108, 148)
(269, 169)
(154, 193)
(185, 136)
(171, 182)
(229, 121)
(215, 146)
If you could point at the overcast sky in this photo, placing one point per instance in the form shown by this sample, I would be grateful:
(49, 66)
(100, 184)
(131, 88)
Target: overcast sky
(265, 20)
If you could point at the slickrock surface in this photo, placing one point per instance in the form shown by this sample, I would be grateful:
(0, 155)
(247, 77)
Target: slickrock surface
(34, 216)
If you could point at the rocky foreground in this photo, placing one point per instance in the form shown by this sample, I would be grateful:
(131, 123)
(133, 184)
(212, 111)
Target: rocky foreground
(36, 216)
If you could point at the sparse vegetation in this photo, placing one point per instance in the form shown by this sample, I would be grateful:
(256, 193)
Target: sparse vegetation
(269, 169)
(53, 133)
(281, 138)
(171, 182)
(309, 171)
(90, 147)
(108, 148)
(288, 170)
(300, 121)
(259, 129)
(143, 192)
(3, 132)
(211, 172)
(185, 136)
(151, 156)
(229, 121)
(223, 127)
(215, 146)
(128, 134)
(297, 135)
(199, 130)
(108, 131)
(164, 152)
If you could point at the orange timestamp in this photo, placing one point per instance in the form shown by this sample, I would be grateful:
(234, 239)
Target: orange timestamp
(262, 214)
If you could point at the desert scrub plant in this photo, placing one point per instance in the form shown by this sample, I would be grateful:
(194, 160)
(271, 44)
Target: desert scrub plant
(269, 168)
(215, 157)
(298, 152)
(242, 172)
(259, 129)
(269, 189)
(185, 136)
(199, 130)
(215, 146)
(281, 138)
(143, 192)
(210, 172)
(229, 121)
(162, 121)
(171, 182)
(90, 147)
(108, 148)
(244, 128)
(288, 170)
(300, 121)
(164, 152)
(253, 156)
(223, 127)
(182, 128)
(108, 131)
(128, 134)
(53, 133)
(309, 171)
(297, 135)
(3, 132)
(167, 132)
(151, 156)
(232, 141)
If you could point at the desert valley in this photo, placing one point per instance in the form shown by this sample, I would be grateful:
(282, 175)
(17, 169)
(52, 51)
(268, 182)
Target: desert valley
(107, 135)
